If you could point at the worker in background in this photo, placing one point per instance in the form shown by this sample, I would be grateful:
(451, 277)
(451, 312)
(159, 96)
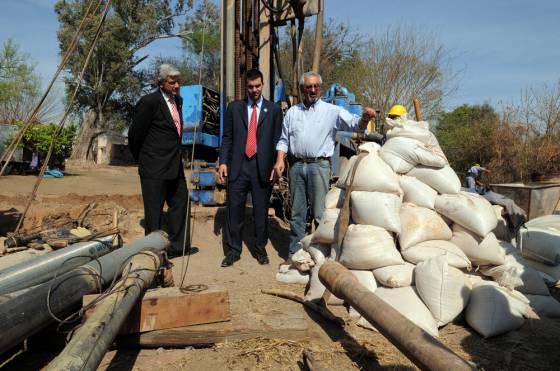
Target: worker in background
(396, 112)
(308, 141)
(154, 139)
(473, 178)
(252, 127)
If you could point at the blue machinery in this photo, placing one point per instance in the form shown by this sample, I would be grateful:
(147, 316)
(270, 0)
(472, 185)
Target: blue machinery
(202, 129)
(203, 125)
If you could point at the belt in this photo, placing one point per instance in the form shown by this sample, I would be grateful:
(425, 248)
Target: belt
(308, 160)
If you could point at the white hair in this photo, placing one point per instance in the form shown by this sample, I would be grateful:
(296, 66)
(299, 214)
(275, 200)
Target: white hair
(310, 74)
(165, 70)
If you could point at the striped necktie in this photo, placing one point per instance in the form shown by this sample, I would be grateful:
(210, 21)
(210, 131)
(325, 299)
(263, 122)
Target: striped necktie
(175, 114)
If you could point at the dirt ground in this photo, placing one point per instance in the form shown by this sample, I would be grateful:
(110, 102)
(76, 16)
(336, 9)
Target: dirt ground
(535, 346)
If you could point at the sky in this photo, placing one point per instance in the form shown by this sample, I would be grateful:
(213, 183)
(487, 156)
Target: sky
(498, 47)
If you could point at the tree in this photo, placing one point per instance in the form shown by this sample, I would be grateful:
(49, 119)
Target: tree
(381, 70)
(19, 87)
(401, 64)
(203, 44)
(112, 81)
(466, 134)
(340, 47)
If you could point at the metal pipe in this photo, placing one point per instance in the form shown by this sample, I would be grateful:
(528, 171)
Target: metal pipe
(45, 267)
(27, 314)
(92, 340)
(425, 351)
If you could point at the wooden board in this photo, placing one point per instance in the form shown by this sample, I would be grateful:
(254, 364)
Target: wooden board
(291, 326)
(171, 307)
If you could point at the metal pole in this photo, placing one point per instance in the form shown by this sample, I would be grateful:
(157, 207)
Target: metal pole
(45, 267)
(425, 351)
(228, 51)
(27, 314)
(91, 341)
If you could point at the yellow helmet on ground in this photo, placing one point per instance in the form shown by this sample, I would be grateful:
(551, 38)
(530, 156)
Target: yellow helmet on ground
(397, 110)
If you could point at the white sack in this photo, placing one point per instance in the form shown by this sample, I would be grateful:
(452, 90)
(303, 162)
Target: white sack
(369, 147)
(400, 275)
(376, 208)
(368, 247)
(429, 249)
(486, 251)
(326, 230)
(444, 180)
(540, 239)
(292, 276)
(502, 228)
(469, 210)
(305, 242)
(443, 289)
(407, 302)
(476, 279)
(334, 199)
(372, 175)
(492, 310)
(416, 192)
(316, 289)
(420, 224)
(418, 130)
(551, 271)
(515, 275)
(545, 305)
(403, 154)
(302, 260)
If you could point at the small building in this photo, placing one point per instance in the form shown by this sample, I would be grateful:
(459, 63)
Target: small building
(112, 149)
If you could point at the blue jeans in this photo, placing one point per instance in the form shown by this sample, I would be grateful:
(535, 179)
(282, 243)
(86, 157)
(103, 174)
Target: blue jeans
(309, 183)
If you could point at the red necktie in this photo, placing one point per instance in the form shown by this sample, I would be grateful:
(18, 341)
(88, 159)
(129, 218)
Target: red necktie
(251, 146)
(175, 115)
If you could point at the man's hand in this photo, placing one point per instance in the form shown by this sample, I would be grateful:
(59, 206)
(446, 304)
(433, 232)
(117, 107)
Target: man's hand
(367, 115)
(222, 172)
(278, 169)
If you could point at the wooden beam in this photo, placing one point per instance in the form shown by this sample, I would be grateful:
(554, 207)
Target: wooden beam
(171, 307)
(291, 326)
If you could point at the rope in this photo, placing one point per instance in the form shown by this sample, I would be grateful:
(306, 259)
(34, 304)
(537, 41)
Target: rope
(9, 151)
(63, 120)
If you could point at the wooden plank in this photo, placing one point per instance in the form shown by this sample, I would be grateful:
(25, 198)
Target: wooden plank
(291, 326)
(171, 307)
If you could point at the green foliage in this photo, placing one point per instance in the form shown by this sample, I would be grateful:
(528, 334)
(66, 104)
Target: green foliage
(18, 81)
(39, 137)
(112, 83)
(464, 135)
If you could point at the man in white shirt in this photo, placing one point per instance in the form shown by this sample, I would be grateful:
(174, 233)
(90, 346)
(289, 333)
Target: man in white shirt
(308, 140)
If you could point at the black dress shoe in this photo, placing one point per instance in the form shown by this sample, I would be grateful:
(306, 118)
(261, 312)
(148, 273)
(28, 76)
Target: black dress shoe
(229, 260)
(263, 259)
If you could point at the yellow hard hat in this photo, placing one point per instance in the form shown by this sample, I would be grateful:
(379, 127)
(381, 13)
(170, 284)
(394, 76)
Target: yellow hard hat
(397, 110)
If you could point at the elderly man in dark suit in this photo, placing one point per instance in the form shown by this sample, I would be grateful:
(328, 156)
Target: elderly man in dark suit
(155, 141)
(252, 127)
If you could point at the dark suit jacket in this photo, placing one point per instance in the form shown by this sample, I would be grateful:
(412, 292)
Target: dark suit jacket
(234, 137)
(153, 138)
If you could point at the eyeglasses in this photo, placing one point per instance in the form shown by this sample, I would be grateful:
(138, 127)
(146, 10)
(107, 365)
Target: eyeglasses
(313, 86)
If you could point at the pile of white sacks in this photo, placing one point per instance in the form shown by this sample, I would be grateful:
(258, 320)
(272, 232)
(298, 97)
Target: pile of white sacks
(425, 247)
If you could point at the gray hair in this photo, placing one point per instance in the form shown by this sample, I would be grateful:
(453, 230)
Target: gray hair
(165, 70)
(309, 74)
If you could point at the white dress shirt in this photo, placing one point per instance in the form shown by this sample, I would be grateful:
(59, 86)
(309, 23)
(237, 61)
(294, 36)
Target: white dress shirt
(311, 132)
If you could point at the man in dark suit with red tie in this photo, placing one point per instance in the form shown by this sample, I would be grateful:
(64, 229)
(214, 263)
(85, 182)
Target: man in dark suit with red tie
(252, 127)
(154, 139)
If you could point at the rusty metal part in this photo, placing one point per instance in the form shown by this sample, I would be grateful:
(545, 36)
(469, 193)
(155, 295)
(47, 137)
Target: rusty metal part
(424, 350)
